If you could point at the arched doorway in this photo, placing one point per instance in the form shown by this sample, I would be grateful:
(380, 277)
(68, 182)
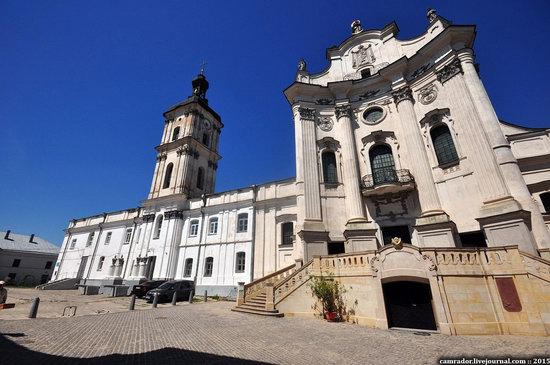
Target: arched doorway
(409, 305)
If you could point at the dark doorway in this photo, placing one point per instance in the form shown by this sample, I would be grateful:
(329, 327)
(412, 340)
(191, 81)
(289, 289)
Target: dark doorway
(151, 260)
(409, 305)
(82, 266)
(396, 231)
(335, 248)
(473, 239)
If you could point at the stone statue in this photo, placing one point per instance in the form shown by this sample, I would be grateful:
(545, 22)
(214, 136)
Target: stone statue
(363, 56)
(302, 65)
(397, 242)
(356, 27)
(431, 14)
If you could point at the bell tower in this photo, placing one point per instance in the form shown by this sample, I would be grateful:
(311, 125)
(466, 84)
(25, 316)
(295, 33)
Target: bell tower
(187, 156)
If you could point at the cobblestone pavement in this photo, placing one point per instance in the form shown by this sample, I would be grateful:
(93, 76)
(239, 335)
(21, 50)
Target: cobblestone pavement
(209, 333)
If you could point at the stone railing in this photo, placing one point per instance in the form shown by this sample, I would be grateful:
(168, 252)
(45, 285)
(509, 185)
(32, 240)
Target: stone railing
(291, 283)
(537, 266)
(352, 264)
(258, 285)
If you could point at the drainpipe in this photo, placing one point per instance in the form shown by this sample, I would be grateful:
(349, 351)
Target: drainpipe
(96, 246)
(254, 196)
(203, 197)
(67, 244)
(131, 244)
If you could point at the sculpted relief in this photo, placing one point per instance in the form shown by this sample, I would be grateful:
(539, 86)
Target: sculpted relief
(363, 55)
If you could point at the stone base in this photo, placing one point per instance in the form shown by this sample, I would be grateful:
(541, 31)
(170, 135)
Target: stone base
(315, 242)
(513, 228)
(360, 237)
(436, 231)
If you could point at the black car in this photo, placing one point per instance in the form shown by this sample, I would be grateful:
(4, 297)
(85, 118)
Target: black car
(142, 288)
(166, 290)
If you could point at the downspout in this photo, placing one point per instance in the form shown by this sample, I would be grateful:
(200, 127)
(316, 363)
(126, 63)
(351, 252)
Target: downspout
(254, 196)
(96, 246)
(203, 197)
(63, 254)
(131, 243)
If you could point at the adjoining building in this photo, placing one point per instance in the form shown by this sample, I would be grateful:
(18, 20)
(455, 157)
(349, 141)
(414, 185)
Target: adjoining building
(26, 260)
(408, 189)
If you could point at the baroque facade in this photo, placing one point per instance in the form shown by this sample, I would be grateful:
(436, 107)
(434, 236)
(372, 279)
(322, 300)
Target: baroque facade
(402, 169)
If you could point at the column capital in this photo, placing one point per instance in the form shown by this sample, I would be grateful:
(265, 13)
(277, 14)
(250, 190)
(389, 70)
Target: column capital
(402, 94)
(185, 150)
(466, 55)
(450, 70)
(342, 111)
(306, 113)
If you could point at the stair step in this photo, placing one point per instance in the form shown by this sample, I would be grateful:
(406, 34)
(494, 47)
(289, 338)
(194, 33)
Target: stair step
(253, 305)
(274, 313)
(256, 300)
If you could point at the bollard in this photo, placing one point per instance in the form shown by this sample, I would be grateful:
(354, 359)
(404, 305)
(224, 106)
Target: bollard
(191, 297)
(155, 299)
(205, 296)
(132, 302)
(174, 298)
(34, 308)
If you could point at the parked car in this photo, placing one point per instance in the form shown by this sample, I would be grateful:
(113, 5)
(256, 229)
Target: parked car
(166, 290)
(142, 288)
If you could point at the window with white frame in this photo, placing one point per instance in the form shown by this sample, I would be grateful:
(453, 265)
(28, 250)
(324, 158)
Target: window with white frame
(240, 262)
(194, 228)
(213, 225)
(158, 227)
(90, 239)
(188, 267)
(73, 244)
(208, 266)
(128, 236)
(100, 263)
(108, 238)
(242, 222)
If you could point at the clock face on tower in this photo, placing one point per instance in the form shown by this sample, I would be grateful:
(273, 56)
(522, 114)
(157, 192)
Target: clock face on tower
(207, 124)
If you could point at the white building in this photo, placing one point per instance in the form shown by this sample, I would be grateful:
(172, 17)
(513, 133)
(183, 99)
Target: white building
(395, 138)
(26, 260)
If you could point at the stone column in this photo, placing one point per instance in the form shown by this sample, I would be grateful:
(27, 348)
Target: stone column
(354, 200)
(502, 150)
(142, 267)
(422, 172)
(184, 153)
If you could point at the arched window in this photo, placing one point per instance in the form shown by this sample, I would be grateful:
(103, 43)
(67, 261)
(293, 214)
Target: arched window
(175, 133)
(330, 176)
(208, 266)
(240, 262)
(200, 178)
(188, 267)
(382, 164)
(194, 228)
(206, 139)
(158, 227)
(213, 225)
(168, 175)
(443, 145)
(545, 199)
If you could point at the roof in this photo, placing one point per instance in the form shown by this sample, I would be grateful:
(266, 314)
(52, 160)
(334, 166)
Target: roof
(20, 242)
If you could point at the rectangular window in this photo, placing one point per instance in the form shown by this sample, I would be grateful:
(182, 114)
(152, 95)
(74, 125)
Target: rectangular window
(16, 263)
(90, 239)
(194, 228)
(100, 263)
(242, 222)
(240, 261)
(208, 266)
(108, 238)
(48, 265)
(73, 244)
(287, 231)
(213, 226)
(188, 268)
(128, 236)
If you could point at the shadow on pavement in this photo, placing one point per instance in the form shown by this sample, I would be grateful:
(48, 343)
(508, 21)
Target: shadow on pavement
(20, 355)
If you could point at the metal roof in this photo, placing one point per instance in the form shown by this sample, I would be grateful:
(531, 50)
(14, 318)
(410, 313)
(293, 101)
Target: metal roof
(20, 242)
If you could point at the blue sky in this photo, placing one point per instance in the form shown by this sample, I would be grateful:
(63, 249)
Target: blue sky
(83, 86)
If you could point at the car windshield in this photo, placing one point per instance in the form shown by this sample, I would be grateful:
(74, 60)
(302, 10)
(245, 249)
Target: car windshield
(168, 286)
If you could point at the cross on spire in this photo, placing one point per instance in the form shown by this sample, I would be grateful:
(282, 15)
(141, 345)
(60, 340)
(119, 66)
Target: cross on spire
(203, 64)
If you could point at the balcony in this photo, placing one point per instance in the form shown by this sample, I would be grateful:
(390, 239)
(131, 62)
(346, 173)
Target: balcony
(387, 181)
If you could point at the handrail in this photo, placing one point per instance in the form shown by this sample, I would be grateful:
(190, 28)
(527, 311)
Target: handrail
(281, 283)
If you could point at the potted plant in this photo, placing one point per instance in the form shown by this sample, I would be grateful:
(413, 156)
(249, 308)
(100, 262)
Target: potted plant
(329, 292)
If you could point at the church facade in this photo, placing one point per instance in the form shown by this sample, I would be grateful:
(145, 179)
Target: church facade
(402, 168)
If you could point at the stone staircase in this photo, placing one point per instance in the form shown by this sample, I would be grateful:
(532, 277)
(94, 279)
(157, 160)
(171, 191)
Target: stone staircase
(61, 284)
(258, 296)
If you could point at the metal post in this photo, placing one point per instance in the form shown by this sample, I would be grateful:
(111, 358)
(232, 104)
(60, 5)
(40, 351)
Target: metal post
(175, 298)
(191, 297)
(205, 296)
(132, 302)
(34, 308)
(155, 300)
